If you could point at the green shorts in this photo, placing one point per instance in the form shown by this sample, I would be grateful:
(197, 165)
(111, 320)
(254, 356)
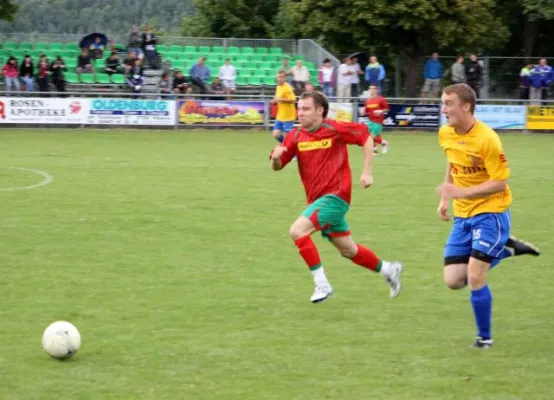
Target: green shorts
(375, 128)
(328, 214)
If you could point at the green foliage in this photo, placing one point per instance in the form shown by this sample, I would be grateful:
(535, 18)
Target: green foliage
(80, 16)
(539, 9)
(7, 10)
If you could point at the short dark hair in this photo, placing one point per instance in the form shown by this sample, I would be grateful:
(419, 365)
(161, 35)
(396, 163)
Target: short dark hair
(320, 100)
(464, 92)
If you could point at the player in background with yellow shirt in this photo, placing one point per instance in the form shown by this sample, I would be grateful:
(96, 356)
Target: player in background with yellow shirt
(286, 110)
(476, 180)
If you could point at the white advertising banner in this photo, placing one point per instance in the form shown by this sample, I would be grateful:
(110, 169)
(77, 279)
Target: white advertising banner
(42, 110)
(130, 112)
(341, 112)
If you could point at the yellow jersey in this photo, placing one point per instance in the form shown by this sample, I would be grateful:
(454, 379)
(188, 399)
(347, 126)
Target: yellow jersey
(285, 111)
(476, 157)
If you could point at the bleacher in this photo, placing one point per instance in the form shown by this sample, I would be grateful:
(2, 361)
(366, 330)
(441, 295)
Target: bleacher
(255, 66)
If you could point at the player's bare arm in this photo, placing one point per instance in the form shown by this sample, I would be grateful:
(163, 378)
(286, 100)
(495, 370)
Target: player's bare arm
(278, 151)
(366, 180)
(445, 201)
(485, 189)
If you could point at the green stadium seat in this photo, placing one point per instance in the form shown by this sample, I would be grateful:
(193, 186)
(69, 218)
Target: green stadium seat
(71, 77)
(71, 46)
(189, 49)
(103, 78)
(35, 54)
(87, 78)
(251, 72)
(25, 46)
(175, 55)
(162, 48)
(247, 50)
(218, 50)
(175, 48)
(261, 50)
(242, 64)
(70, 64)
(42, 46)
(257, 57)
(204, 49)
(56, 46)
(10, 46)
(241, 80)
(118, 78)
(267, 65)
(276, 50)
(232, 50)
(273, 58)
(255, 81)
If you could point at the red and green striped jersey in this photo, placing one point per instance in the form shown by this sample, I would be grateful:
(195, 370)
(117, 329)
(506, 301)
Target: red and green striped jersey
(322, 157)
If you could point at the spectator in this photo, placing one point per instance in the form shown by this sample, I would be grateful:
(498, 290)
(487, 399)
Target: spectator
(200, 74)
(96, 49)
(164, 88)
(285, 67)
(541, 78)
(309, 88)
(228, 75)
(432, 74)
(180, 84)
(327, 77)
(43, 73)
(112, 65)
(524, 81)
(26, 73)
(135, 42)
(474, 74)
(57, 69)
(11, 74)
(149, 42)
(129, 62)
(300, 75)
(217, 88)
(375, 73)
(343, 81)
(356, 77)
(458, 71)
(136, 77)
(84, 63)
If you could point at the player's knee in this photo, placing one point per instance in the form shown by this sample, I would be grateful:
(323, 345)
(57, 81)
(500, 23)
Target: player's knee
(476, 280)
(296, 232)
(276, 134)
(455, 284)
(348, 252)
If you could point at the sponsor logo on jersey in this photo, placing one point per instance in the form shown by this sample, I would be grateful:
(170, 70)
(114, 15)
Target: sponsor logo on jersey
(316, 145)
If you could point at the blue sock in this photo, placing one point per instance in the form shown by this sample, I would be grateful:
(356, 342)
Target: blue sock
(280, 139)
(481, 300)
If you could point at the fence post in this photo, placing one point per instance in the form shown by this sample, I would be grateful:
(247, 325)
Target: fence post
(177, 117)
(355, 111)
(398, 77)
(266, 115)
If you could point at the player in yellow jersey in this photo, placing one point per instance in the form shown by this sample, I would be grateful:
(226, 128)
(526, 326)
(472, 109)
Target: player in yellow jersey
(476, 179)
(286, 110)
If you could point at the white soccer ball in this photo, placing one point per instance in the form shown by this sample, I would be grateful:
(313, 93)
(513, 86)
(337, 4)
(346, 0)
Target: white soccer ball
(61, 340)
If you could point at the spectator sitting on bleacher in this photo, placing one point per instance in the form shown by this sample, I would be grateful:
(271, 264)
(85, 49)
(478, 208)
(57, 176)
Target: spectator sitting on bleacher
(112, 64)
(200, 74)
(217, 88)
(179, 83)
(300, 75)
(97, 48)
(129, 61)
(136, 76)
(26, 73)
(163, 86)
(84, 63)
(228, 75)
(43, 72)
(135, 42)
(10, 72)
(285, 67)
(149, 46)
(57, 69)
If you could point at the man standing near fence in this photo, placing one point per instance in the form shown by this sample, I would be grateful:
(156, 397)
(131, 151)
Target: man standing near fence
(540, 80)
(286, 110)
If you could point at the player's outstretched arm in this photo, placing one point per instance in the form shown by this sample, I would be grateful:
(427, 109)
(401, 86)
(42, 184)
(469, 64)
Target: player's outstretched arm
(445, 201)
(366, 179)
(276, 154)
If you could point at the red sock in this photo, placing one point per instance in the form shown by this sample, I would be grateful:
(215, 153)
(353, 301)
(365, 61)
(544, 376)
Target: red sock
(367, 259)
(309, 252)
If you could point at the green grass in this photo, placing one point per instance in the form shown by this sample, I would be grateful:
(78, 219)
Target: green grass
(169, 251)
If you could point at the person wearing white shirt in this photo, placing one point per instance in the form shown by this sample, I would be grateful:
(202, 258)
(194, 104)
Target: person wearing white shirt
(356, 77)
(300, 76)
(228, 76)
(344, 80)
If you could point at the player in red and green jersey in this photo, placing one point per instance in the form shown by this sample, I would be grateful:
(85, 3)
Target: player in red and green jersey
(320, 148)
(375, 108)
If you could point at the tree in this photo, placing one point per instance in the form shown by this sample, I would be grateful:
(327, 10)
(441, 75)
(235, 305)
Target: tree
(7, 10)
(409, 28)
(232, 18)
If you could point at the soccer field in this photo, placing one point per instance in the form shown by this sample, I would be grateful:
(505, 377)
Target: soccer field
(169, 250)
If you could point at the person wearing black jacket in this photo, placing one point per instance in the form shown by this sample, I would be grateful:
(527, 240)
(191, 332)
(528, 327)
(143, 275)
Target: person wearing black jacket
(26, 73)
(474, 74)
(149, 41)
(135, 78)
(57, 69)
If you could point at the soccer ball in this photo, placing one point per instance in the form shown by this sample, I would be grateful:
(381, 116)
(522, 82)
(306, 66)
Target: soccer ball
(61, 340)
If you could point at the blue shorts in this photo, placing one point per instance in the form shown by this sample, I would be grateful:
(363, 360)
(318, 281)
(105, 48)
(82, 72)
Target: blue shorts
(482, 236)
(284, 126)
